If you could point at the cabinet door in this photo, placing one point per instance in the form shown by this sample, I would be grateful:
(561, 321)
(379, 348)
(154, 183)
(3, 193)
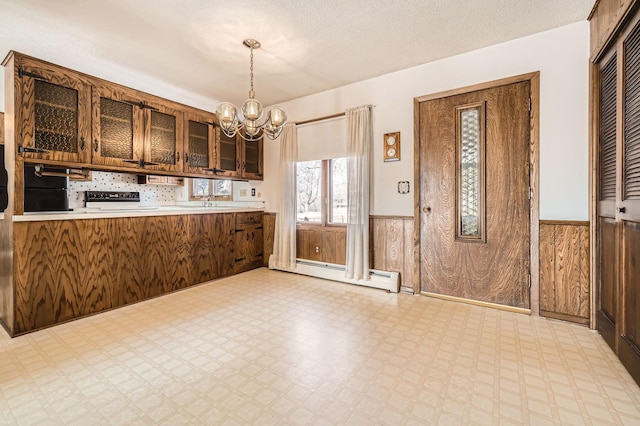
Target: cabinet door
(252, 159)
(199, 140)
(227, 155)
(163, 138)
(117, 129)
(56, 111)
(257, 243)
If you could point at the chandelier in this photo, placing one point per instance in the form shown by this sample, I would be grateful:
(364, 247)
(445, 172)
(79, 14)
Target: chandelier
(249, 123)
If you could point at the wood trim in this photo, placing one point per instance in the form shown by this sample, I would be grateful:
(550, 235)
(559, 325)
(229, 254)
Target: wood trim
(416, 195)
(477, 303)
(565, 222)
(603, 33)
(534, 203)
(564, 317)
(594, 119)
(390, 217)
(476, 87)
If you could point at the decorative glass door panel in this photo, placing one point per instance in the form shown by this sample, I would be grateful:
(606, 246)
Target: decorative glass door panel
(117, 129)
(227, 155)
(163, 142)
(199, 143)
(470, 206)
(56, 115)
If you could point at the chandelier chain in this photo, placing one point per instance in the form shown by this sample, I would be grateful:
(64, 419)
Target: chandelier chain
(251, 92)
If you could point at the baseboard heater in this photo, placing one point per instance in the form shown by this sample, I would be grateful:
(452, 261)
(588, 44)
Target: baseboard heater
(384, 280)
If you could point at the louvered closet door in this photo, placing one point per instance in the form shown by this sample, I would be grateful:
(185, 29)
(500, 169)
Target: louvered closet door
(607, 237)
(629, 205)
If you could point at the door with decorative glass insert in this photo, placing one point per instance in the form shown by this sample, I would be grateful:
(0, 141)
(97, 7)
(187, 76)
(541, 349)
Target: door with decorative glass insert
(474, 195)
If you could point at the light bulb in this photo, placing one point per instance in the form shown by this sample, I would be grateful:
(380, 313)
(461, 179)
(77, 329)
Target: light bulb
(252, 110)
(278, 117)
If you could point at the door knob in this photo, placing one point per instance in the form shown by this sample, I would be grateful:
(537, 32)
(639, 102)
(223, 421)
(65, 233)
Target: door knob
(426, 209)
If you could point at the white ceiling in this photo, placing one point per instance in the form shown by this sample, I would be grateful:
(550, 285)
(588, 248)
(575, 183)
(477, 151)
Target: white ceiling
(307, 46)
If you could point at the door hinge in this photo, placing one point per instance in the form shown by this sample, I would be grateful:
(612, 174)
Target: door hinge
(530, 193)
(529, 279)
(23, 73)
(530, 104)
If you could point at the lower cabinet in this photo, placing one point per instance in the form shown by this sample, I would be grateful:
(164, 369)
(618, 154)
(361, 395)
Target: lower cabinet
(249, 241)
(67, 269)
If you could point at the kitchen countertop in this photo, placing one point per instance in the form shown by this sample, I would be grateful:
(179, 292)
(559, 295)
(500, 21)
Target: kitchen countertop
(142, 212)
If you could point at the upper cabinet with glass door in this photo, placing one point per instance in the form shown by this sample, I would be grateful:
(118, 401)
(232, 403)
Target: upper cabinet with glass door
(56, 112)
(199, 142)
(163, 138)
(228, 155)
(118, 132)
(252, 159)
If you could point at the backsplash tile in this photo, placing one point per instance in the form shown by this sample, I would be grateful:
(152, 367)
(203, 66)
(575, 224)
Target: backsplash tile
(105, 181)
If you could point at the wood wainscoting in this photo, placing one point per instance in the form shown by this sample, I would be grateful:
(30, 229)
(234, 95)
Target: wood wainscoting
(322, 243)
(390, 242)
(564, 270)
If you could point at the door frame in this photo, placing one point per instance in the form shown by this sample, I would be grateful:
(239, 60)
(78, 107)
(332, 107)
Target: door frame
(534, 181)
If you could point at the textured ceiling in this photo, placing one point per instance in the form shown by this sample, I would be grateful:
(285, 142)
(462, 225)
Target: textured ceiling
(307, 46)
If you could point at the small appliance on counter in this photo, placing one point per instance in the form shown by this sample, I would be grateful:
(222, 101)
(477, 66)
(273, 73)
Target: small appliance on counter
(43, 192)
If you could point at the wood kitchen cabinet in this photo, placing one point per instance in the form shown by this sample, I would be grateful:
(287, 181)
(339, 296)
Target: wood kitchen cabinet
(227, 155)
(117, 128)
(69, 119)
(67, 269)
(55, 112)
(163, 140)
(133, 132)
(199, 142)
(236, 157)
(249, 241)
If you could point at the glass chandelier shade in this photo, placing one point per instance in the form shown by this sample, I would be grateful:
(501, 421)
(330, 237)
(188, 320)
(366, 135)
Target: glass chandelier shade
(249, 122)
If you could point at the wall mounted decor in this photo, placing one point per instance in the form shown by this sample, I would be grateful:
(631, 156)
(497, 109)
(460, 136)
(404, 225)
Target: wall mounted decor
(392, 146)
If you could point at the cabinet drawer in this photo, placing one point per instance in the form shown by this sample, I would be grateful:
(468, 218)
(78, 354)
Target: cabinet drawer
(252, 218)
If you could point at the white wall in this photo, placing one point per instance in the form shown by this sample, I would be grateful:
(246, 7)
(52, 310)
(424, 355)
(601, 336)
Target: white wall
(561, 55)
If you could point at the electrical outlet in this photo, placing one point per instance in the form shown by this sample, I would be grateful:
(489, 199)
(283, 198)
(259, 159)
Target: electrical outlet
(243, 192)
(253, 192)
(317, 249)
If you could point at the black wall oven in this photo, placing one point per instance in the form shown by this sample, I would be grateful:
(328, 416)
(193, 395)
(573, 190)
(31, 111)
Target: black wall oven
(45, 193)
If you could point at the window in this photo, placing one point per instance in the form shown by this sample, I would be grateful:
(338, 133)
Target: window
(214, 188)
(322, 191)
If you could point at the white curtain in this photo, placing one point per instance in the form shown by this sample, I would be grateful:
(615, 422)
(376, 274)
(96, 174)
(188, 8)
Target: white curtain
(284, 245)
(358, 153)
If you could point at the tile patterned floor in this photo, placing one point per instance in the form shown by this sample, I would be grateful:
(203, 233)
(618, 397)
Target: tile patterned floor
(268, 347)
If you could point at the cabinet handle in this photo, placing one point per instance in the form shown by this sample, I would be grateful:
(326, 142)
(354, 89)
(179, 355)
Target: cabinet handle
(177, 157)
(244, 165)
(622, 209)
(237, 164)
(82, 143)
(186, 157)
(95, 145)
(240, 259)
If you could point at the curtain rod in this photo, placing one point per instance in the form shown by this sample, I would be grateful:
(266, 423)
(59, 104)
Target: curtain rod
(326, 117)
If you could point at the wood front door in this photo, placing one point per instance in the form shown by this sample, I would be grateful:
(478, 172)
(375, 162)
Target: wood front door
(475, 196)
